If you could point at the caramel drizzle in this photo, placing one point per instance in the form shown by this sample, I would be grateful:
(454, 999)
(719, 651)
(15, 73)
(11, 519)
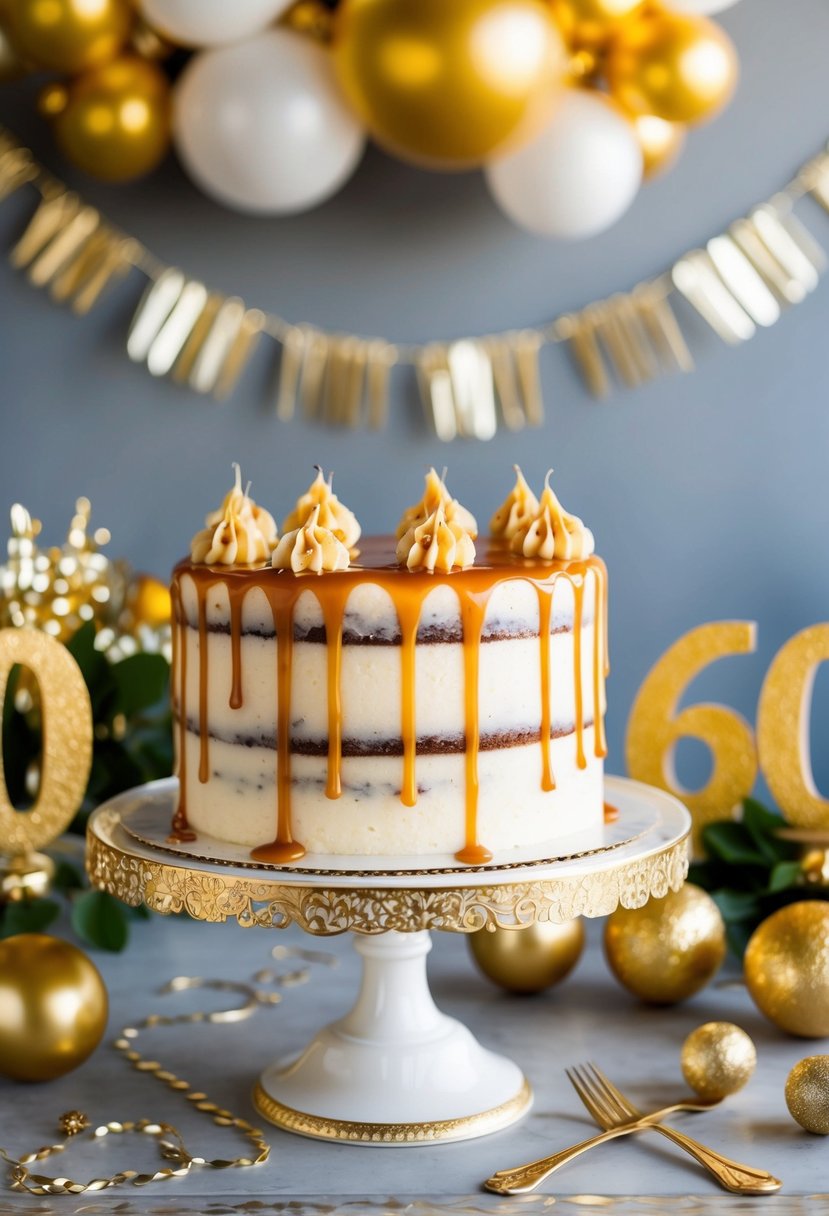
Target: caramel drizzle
(180, 829)
(408, 592)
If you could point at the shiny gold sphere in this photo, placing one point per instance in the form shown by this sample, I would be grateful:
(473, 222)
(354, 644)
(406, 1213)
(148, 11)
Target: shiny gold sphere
(661, 143)
(529, 959)
(449, 84)
(679, 68)
(53, 1007)
(591, 23)
(669, 949)
(148, 601)
(69, 35)
(787, 968)
(718, 1058)
(115, 123)
(807, 1094)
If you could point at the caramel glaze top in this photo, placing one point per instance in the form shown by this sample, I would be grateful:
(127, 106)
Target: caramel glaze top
(375, 563)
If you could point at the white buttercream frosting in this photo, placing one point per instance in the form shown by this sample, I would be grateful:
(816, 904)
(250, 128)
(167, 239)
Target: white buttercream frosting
(311, 548)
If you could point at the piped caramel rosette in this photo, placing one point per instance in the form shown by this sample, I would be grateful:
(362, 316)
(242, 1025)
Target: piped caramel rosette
(333, 515)
(436, 545)
(311, 548)
(516, 512)
(553, 532)
(239, 533)
(436, 495)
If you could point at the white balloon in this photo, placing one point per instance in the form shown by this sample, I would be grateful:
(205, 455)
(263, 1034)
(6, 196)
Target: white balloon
(210, 22)
(262, 126)
(701, 8)
(577, 176)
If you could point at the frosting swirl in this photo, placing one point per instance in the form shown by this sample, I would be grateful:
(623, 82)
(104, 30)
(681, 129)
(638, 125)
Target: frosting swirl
(333, 515)
(516, 511)
(239, 533)
(312, 547)
(553, 532)
(436, 495)
(436, 544)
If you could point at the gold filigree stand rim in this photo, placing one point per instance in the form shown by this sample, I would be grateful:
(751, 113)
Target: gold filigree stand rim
(464, 1127)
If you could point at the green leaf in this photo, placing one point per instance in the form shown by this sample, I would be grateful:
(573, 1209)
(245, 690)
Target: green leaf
(28, 916)
(731, 842)
(784, 875)
(738, 934)
(95, 669)
(67, 877)
(140, 682)
(736, 905)
(763, 825)
(100, 920)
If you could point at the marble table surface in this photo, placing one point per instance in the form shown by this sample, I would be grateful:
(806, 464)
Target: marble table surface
(589, 1017)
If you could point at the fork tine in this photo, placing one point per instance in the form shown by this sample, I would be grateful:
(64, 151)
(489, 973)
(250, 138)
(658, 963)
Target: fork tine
(592, 1099)
(631, 1111)
(609, 1109)
(619, 1111)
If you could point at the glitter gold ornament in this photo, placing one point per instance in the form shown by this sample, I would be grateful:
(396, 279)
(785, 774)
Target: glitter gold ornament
(718, 1058)
(529, 959)
(669, 949)
(680, 68)
(53, 1007)
(148, 602)
(591, 23)
(807, 1094)
(69, 35)
(787, 968)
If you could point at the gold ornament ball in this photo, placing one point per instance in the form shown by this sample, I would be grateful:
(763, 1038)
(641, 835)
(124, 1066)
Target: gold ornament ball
(679, 68)
(149, 602)
(718, 1058)
(114, 121)
(591, 23)
(530, 959)
(53, 1007)
(661, 143)
(787, 968)
(69, 35)
(807, 1094)
(448, 84)
(667, 950)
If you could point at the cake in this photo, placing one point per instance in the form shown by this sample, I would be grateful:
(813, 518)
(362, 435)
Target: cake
(425, 694)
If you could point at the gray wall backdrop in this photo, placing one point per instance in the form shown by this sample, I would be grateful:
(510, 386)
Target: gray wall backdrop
(707, 493)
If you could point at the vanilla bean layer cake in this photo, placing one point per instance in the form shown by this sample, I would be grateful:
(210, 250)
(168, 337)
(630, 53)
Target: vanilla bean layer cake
(386, 707)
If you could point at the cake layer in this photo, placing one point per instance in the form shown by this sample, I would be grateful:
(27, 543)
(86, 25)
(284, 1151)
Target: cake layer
(238, 801)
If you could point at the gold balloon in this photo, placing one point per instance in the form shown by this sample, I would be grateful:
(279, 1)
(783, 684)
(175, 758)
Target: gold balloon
(807, 1094)
(53, 1007)
(679, 68)
(718, 1058)
(115, 123)
(12, 66)
(661, 143)
(669, 949)
(448, 84)
(529, 959)
(69, 35)
(591, 23)
(787, 968)
(148, 602)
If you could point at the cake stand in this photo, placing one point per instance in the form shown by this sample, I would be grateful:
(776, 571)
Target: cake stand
(394, 1070)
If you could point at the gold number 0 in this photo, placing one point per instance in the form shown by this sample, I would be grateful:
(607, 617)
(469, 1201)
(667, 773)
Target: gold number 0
(655, 727)
(783, 727)
(67, 739)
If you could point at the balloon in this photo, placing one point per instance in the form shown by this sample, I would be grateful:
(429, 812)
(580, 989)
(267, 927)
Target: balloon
(446, 84)
(114, 121)
(210, 22)
(701, 8)
(661, 143)
(261, 125)
(575, 178)
(68, 35)
(679, 68)
(12, 66)
(589, 23)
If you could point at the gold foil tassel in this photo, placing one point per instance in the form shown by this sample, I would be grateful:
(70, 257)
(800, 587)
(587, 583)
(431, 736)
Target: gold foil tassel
(335, 379)
(525, 346)
(473, 393)
(314, 359)
(436, 391)
(506, 382)
(239, 352)
(786, 286)
(152, 311)
(216, 345)
(381, 357)
(290, 366)
(16, 167)
(743, 281)
(53, 213)
(166, 346)
(695, 278)
(579, 331)
(183, 366)
(64, 246)
(787, 240)
(662, 327)
(355, 381)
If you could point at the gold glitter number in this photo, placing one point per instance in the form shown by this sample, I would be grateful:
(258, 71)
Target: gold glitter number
(783, 728)
(66, 743)
(655, 726)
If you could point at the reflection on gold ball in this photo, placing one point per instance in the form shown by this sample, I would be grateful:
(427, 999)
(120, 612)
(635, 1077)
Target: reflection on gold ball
(590, 23)
(680, 68)
(69, 35)
(807, 1094)
(718, 1058)
(53, 1007)
(787, 968)
(448, 84)
(661, 143)
(148, 600)
(115, 124)
(529, 959)
(669, 949)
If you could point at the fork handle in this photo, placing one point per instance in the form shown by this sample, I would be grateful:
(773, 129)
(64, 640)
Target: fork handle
(742, 1179)
(525, 1178)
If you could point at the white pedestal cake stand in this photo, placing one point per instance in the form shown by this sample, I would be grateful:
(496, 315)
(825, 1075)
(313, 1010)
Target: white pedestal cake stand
(394, 1070)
